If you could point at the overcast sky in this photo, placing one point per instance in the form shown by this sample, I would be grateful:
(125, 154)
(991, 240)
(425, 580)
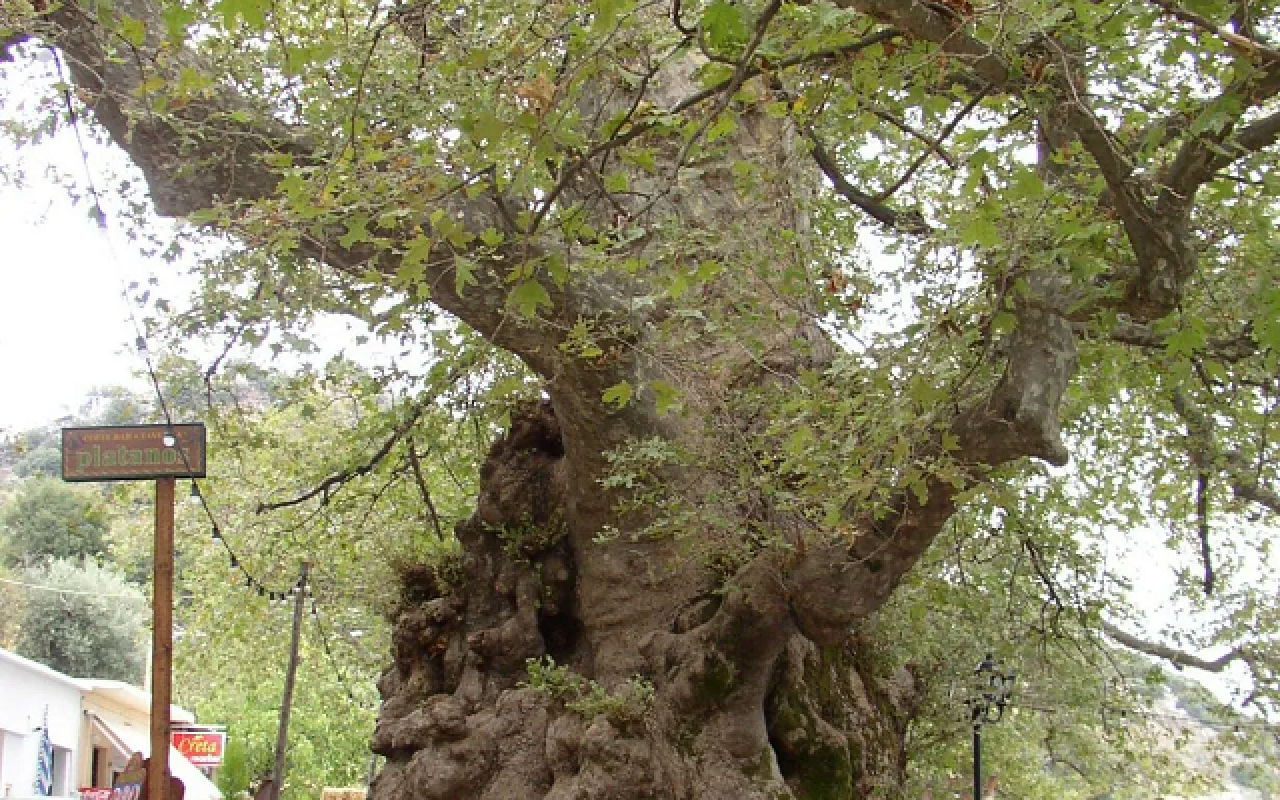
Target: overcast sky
(64, 326)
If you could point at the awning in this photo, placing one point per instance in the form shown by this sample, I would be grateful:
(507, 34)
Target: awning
(129, 739)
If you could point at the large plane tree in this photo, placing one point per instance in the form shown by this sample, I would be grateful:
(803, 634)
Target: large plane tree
(803, 283)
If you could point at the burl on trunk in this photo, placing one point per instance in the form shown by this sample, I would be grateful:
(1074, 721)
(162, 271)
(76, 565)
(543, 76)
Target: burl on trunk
(506, 685)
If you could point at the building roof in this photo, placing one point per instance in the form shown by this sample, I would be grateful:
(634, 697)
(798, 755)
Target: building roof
(130, 696)
(118, 692)
(40, 669)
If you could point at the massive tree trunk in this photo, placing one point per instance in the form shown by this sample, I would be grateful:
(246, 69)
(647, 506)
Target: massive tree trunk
(595, 640)
(713, 691)
(709, 661)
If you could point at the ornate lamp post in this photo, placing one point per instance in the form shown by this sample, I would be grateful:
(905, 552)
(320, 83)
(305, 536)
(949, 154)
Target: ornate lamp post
(992, 688)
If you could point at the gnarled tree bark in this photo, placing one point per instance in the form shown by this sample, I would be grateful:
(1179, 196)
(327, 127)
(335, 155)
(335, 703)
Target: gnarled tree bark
(762, 686)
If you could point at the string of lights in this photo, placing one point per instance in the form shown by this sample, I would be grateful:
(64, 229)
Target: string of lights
(333, 661)
(217, 531)
(100, 217)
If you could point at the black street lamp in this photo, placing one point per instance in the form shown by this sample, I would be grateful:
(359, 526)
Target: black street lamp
(992, 688)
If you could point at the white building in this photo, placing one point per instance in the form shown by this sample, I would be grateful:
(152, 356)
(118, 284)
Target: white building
(94, 726)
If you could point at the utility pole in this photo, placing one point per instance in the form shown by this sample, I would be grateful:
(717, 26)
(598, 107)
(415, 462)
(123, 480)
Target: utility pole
(977, 756)
(282, 735)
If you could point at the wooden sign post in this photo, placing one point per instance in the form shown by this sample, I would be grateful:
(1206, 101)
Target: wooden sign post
(146, 452)
(161, 641)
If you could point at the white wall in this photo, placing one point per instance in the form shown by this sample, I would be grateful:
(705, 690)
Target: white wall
(26, 689)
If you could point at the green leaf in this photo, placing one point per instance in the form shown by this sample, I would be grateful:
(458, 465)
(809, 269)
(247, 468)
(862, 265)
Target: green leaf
(464, 274)
(616, 182)
(618, 395)
(558, 269)
(605, 15)
(418, 251)
(724, 23)
(133, 31)
(980, 231)
(666, 398)
(357, 230)
(528, 297)
(1003, 322)
(1187, 340)
(253, 12)
(176, 19)
(724, 125)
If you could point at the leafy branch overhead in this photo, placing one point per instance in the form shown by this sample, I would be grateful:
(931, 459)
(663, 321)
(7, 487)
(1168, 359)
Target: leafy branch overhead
(799, 291)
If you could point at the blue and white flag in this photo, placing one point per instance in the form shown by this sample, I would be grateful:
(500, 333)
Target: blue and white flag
(44, 760)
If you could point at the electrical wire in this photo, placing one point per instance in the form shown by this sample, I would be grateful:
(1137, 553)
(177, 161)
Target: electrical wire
(1112, 714)
(333, 661)
(100, 217)
(66, 591)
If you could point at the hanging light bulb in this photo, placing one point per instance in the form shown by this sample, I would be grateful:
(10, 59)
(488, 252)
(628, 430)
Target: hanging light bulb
(217, 534)
(169, 439)
(195, 493)
(235, 562)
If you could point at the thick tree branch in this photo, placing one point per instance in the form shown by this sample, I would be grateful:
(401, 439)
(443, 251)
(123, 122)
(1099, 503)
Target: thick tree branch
(836, 583)
(329, 485)
(904, 221)
(1203, 531)
(1242, 40)
(928, 21)
(1257, 135)
(1229, 349)
(1178, 658)
(1155, 217)
(219, 151)
(1202, 155)
(1235, 469)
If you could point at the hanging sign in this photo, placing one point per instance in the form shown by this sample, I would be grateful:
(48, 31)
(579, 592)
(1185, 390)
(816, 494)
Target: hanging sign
(201, 748)
(133, 452)
(131, 784)
(128, 784)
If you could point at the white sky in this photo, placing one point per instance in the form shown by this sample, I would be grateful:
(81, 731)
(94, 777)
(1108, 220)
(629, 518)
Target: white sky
(64, 326)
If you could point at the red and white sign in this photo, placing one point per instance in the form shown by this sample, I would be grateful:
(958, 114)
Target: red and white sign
(93, 793)
(201, 748)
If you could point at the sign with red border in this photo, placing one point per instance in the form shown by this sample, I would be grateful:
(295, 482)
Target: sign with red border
(202, 748)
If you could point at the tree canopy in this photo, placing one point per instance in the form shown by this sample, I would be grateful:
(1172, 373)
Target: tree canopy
(47, 519)
(86, 621)
(819, 328)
